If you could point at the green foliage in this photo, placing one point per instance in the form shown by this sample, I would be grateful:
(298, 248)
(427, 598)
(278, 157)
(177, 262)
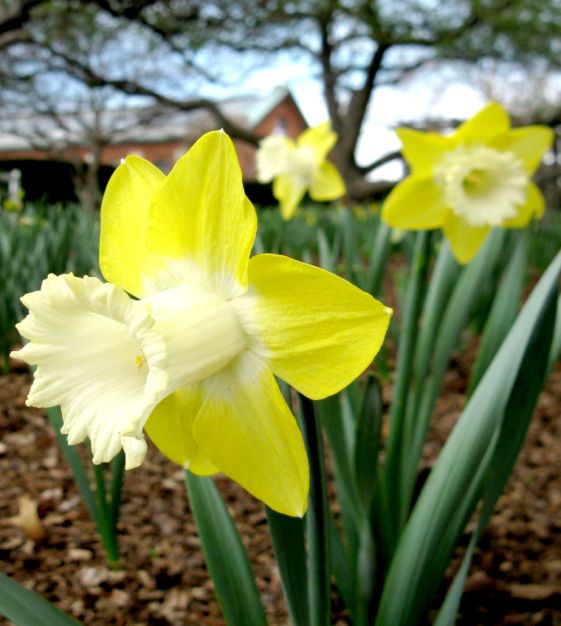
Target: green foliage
(545, 240)
(103, 506)
(389, 543)
(34, 243)
(26, 608)
(377, 546)
(225, 554)
(339, 238)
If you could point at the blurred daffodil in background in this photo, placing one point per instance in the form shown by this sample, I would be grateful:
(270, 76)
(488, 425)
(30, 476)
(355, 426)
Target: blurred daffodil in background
(471, 181)
(300, 166)
(192, 359)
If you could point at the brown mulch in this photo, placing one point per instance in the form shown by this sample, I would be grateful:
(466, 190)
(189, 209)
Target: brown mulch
(515, 578)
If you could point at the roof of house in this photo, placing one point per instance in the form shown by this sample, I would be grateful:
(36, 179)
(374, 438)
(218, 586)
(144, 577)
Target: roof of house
(31, 130)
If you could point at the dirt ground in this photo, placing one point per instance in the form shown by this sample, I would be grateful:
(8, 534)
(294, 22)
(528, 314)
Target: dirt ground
(515, 578)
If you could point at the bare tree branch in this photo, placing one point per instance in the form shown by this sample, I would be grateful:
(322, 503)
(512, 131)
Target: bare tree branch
(18, 16)
(387, 158)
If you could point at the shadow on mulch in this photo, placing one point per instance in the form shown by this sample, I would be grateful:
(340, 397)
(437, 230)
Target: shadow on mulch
(515, 577)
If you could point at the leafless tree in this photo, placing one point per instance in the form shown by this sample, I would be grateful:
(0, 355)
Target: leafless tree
(165, 51)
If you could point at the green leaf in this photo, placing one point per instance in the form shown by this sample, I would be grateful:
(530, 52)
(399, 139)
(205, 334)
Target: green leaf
(514, 427)
(349, 243)
(288, 537)
(26, 608)
(420, 561)
(339, 427)
(102, 514)
(555, 351)
(317, 518)
(366, 583)
(73, 459)
(341, 563)
(367, 440)
(117, 479)
(225, 554)
(395, 494)
(442, 281)
(326, 259)
(427, 382)
(378, 259)
(503, 311)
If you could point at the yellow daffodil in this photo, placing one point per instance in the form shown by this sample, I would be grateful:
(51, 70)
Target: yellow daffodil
(471, 181)
(193, 358)
(300, 166)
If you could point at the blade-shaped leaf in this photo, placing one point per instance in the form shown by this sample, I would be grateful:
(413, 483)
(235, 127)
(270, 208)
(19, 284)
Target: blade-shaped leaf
(73, 459)
(225, 554)
(26, 608)
(514, 427)
(367, 440)
(427, 384)
(555, 351)
(317, 518)
(289, 543)
(503, 310)
(378, 259)
(415, 571)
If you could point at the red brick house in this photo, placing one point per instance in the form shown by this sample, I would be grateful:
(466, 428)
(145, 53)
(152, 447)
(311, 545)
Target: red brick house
(50, 155)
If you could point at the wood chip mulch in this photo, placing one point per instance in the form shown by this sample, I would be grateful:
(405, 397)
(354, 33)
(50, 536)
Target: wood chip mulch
(515, 578)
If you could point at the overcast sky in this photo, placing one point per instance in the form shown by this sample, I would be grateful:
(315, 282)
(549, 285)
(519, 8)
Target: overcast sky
(422, 97)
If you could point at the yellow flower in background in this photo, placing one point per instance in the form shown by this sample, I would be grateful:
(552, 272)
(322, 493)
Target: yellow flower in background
(300, 166)
(470, 181)
(193, 360)
(311, 218)
(360, 212)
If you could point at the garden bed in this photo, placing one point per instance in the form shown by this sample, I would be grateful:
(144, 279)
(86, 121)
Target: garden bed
(515, 578)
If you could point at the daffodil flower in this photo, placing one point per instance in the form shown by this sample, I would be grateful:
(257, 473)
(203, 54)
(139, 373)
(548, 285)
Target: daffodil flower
(300, 166)
(193, 359)
(471, 181)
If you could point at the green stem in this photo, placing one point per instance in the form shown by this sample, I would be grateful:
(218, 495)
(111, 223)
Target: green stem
(411, 311)
(319, 574)
(117, 477)
(104, 526)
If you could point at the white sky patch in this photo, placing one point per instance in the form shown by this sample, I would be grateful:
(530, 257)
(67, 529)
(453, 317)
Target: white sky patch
(428, 94)
(411, 103)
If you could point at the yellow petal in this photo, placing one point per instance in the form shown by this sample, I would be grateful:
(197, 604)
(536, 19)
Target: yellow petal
(534, 207)
(529, 144)
(315, 330)
(247, 430)
(170, 426)
(415, 204)
(422, 151)
(491, 121)
(201, 219)
(327, 184)
(289, 191)
(465, 240)
(320, 139)
(124, 214)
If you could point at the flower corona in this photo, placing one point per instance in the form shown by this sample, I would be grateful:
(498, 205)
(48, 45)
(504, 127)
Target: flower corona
(476, 179)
